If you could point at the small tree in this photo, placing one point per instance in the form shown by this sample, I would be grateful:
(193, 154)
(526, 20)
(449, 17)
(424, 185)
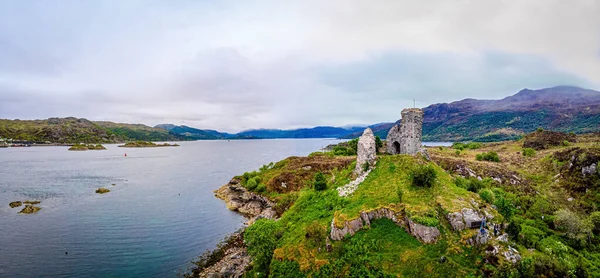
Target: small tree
(320, 182)
(423, 175)
(378, 143)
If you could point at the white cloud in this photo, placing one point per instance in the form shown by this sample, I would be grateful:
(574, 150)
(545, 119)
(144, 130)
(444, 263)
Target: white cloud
(235, 65)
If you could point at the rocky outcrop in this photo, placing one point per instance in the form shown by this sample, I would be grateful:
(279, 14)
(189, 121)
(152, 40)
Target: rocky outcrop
(589, 170)
(102, 190)
(424, 233)
(247, 203)
(234, 264)
(30, 209)
(467, 218)
(366, 153)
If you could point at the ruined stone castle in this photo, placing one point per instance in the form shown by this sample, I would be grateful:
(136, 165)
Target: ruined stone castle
(406, 137)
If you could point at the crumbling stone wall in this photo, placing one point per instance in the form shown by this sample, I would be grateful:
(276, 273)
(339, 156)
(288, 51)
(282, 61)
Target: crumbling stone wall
(366, 151)
(406, 137)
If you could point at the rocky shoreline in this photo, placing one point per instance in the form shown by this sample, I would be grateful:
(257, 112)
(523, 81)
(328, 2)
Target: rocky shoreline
(234, 258)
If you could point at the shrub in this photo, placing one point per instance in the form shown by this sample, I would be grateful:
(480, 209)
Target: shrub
(489, 156)
(530, 236)
(400, 194)
(513, 230)
(316, 234)
(595, 221)
(320, 182)
(261, 188)
(528, 152)
(505, 207)
(457, 152)
(566, 143)
(540, 129)
(470, 146)
(471, 184)
(487, 195)
(423, 175)
(252, 183)
(261, 240)
(573, 226)
(378, 143)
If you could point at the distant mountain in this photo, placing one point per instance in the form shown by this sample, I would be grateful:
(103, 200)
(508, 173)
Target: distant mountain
(74, 130)
(561, 108)
(194, 133)
(315, 132)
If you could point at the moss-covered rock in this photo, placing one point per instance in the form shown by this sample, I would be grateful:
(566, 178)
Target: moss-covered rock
(102, 190)
(30, 209)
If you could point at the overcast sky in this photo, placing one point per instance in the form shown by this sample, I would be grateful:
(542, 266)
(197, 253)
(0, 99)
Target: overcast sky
(235, 65)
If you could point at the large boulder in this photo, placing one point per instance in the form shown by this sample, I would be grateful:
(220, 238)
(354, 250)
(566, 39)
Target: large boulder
(366, 151)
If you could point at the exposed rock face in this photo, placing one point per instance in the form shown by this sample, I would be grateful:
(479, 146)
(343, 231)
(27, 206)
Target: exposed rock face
(406, 137)
(239, 199)
(366, 151)
(353, 226)
(465, 219)
(424, 233)
(234, 262)
(589, 170)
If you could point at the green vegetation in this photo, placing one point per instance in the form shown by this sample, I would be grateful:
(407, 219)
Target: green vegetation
(143, 144)
(423, 175)
(320, 183)
(488, 156)
(85, 147)
(468, 146)
(73, 130)
(528, 152)
(555, 237)
(347, 148)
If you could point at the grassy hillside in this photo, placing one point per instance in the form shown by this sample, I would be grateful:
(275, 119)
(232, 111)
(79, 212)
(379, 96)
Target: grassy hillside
(543, 200)
(73, 130)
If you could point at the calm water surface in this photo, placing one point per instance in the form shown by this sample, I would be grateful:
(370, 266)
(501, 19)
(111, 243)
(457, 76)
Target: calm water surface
(160, 215)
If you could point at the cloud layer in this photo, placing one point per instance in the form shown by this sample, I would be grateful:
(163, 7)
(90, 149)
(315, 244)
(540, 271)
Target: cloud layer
(234, 65)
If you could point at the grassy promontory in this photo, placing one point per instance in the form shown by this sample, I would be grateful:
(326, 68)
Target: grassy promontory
(144, 144)
(544, 200)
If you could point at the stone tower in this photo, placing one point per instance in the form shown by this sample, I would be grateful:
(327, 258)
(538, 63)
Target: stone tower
(406, 137)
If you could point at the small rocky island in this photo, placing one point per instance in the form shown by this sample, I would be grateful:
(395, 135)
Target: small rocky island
(86, 147)
(102, 190)
(29, 206)
(144, 144)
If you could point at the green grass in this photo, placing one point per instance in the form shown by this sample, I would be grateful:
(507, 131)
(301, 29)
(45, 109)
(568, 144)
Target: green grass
(393, 173)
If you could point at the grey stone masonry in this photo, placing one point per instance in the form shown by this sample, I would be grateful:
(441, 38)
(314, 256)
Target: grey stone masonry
(406, 137)
(366, 151)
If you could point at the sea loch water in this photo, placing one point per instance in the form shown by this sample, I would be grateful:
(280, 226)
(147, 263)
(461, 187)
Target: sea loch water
(159, 216)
